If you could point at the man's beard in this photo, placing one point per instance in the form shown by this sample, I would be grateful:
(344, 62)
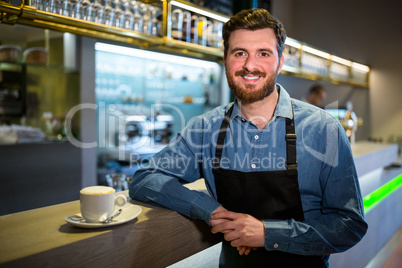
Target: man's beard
(251, 95)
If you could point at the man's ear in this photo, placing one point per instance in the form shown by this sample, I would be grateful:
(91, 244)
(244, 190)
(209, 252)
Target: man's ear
(280, 64)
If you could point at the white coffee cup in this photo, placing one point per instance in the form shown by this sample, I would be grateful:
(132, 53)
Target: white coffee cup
(98, 202)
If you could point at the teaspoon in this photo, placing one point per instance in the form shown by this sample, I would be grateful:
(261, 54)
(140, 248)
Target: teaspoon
(112, 217)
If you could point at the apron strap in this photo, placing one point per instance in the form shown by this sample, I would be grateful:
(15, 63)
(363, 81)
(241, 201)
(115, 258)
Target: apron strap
(221, 138)
(291, 162)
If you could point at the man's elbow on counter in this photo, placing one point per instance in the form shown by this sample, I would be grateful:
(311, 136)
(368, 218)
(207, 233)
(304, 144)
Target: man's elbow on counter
(135, 186)
(356, 234)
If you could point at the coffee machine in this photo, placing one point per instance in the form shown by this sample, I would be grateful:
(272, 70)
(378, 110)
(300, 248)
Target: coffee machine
(155, 128)
(128, 132)
(348, 119)
(350, 122)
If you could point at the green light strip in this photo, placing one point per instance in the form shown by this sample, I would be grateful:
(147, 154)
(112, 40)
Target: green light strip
(374, 198)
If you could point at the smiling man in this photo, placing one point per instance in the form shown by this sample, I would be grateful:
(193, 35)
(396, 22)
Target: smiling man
(255, 63)
(282, 184)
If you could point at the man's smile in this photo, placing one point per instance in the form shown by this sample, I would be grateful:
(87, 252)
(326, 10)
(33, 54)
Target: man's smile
(248, 77)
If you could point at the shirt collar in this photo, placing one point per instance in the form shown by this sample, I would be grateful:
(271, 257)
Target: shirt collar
(235, 111)
(283, 108)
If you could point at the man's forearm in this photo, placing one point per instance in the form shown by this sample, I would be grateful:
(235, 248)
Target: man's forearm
(163, 190)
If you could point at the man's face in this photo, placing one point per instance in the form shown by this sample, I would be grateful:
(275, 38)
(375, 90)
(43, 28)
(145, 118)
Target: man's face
(321, 98)
(252, 64)
(318, 99)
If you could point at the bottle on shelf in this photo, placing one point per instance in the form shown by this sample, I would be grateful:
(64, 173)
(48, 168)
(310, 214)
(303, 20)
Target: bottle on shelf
(83, 10)
(128, 17)
(108, 14)
(146, 18)
(194, 29)
(97, 11)
(187, 26)
(202, 31)
(155, 23)
(137, 20)
(217, 34)
(177, 24)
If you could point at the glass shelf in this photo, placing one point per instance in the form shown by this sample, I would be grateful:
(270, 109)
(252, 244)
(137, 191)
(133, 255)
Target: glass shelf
(9, 66)
(300, 62)
(30, 16)
(18, 66)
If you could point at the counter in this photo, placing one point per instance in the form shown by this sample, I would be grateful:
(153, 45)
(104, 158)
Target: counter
(370, 156)
(373, 162)
(161, 237)
(158, 237)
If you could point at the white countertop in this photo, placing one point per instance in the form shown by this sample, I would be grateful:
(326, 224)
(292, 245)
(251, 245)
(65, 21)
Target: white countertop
(370, 156)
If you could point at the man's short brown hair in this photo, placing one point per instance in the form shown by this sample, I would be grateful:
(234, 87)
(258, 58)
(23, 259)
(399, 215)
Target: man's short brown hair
(254, 19)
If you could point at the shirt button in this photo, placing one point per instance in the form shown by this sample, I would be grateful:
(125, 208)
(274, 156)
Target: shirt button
(256, 137)
(243, 120)
(253, 165)
(276, 245)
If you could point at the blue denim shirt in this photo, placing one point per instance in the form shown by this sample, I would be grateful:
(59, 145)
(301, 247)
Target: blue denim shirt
(329, 187)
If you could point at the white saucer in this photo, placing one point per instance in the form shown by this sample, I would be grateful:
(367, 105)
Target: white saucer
(128, 213)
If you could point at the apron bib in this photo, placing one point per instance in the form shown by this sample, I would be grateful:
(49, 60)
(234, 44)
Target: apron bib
(264, 195)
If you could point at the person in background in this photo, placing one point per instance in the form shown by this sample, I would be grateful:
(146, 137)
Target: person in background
(317, 95)
(282, 184)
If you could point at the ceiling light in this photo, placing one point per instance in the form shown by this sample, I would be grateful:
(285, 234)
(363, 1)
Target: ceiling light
(316, 52)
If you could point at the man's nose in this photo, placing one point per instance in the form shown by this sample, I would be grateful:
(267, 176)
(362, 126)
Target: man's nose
(250, 64)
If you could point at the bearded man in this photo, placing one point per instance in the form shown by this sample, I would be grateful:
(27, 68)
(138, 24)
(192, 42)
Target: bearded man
(282, 183)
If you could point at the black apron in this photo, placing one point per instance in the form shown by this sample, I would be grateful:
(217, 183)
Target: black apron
(264, 195)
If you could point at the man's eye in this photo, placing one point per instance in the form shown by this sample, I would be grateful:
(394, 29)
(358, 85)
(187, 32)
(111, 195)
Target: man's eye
(264, 54)
(240, 53)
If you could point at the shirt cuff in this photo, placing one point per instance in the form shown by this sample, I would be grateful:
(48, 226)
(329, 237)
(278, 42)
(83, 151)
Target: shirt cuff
(202, 207)
(277, 234)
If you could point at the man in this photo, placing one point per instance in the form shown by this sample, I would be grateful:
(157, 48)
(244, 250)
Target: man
(317, 95)
(280, 173)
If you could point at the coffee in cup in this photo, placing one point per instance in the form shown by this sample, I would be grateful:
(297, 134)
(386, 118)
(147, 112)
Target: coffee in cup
(98, 203)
